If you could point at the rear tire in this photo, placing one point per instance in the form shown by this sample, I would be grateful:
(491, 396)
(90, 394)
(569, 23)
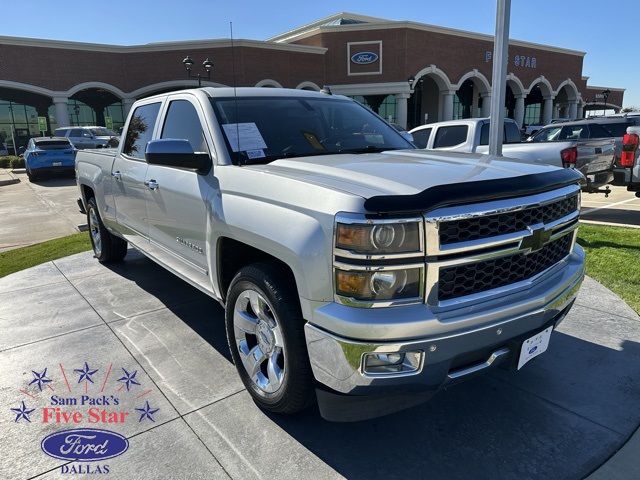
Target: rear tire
(107, 248)
(265, 330)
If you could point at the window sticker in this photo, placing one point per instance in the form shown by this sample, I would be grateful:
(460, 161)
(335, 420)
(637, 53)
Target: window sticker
(255, 154)
(244, 137)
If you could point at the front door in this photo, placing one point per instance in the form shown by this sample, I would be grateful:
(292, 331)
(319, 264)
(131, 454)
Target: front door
(129, 174)
(177, 199)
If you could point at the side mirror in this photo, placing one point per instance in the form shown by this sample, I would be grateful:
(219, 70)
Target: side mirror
(407, 136)
(177, 153)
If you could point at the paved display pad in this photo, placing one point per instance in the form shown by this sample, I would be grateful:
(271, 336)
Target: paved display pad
(561, 417)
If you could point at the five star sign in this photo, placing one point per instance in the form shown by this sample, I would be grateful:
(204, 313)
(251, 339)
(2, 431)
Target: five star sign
(85, 374)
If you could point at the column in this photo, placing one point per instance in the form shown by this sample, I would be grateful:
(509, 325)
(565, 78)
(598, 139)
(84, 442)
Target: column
(62, 113)
(486, 104)
(401, 108)
(474, 102)
(547, 110)
(126, 103)
(447, 105)
(573, 109)
(519, 112)
(580, 112)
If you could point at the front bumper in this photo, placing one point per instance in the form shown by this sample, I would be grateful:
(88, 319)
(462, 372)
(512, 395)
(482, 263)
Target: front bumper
(477, 339)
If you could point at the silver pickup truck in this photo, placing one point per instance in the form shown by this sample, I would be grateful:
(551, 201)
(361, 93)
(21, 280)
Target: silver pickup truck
(354, 269)
(593, 158)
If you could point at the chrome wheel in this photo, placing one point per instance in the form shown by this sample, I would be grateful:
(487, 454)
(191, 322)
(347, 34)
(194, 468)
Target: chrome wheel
(258, 339)
(106, 247)
(94, 229)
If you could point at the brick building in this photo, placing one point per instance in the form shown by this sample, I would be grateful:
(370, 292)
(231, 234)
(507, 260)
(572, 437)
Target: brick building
(410, 73)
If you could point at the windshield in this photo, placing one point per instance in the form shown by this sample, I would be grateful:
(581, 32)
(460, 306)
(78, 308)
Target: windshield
(263, 129)
(53, 144)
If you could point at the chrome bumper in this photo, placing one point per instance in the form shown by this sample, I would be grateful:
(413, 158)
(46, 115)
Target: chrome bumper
(493, 331)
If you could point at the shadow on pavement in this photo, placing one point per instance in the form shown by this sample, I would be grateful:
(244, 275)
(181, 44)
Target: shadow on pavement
(562, 416)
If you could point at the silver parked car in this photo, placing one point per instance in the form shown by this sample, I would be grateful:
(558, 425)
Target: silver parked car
(86, 137)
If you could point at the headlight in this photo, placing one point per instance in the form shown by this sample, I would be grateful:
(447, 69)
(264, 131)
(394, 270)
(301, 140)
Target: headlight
(379, 238)
(392, 284)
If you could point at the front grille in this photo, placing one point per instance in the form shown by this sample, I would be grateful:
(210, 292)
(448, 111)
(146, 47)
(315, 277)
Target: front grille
(460, 280)
(504, 223)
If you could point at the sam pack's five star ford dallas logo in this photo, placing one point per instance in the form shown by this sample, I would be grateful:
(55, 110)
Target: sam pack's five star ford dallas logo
(84, 398)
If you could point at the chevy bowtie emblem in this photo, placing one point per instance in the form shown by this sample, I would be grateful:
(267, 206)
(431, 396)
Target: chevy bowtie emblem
(538, 238)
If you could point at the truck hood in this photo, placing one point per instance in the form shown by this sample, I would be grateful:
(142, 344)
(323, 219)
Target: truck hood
(401, 172)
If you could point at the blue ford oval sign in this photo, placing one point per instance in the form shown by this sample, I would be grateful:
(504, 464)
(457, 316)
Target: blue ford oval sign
(532, 350)
(84, 444)
(364, 58)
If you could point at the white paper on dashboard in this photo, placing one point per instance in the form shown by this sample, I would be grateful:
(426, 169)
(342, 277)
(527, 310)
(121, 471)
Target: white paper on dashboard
(244, 136)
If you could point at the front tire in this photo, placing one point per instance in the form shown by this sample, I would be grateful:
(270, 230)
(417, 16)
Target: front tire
(107, 248)
(265, 330)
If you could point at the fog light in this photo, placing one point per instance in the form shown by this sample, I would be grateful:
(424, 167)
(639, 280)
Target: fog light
(387, 363)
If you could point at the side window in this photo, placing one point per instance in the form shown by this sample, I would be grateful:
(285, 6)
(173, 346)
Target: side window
(182, 122)
(421, 137)
(140, 130)
(547, 134)
(596, 131)
(75, 132)
(511, 133)
(617, 129)
(450, 136)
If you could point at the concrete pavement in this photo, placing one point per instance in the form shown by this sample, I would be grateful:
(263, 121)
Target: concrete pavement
(160, 357)
(35, 212)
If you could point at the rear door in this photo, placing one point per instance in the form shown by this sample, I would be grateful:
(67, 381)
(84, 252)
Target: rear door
(177, 199)
(129, 173)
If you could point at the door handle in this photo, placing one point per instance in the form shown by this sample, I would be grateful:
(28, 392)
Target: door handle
(151, 184)
(117, 175)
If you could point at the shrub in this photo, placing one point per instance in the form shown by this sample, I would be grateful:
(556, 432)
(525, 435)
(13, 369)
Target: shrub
(17, 162)
(5, 162)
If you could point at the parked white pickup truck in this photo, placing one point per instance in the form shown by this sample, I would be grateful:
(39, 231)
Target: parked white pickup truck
(593, 158)
(353, 268)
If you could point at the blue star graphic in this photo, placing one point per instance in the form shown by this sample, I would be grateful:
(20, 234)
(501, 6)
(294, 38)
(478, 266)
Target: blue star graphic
(147, 413)
(129, 379)
(85, 374)
(23, 412)
(39, 378)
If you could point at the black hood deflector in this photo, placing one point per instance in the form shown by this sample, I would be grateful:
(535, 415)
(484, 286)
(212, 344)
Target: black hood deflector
(472, 192)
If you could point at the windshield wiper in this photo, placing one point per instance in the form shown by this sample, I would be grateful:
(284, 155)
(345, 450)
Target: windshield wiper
(367, 149)
(273, 158)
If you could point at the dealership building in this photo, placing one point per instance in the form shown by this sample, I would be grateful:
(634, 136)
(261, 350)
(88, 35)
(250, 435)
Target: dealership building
(410, 73)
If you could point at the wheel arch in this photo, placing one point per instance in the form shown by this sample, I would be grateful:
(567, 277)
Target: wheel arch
(232, 255)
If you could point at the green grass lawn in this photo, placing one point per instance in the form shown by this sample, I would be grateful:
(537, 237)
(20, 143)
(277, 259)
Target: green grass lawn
(613, 257)
(20, 258)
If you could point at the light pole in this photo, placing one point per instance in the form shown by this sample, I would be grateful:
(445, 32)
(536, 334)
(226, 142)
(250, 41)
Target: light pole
(605, 94)
(207, 64)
